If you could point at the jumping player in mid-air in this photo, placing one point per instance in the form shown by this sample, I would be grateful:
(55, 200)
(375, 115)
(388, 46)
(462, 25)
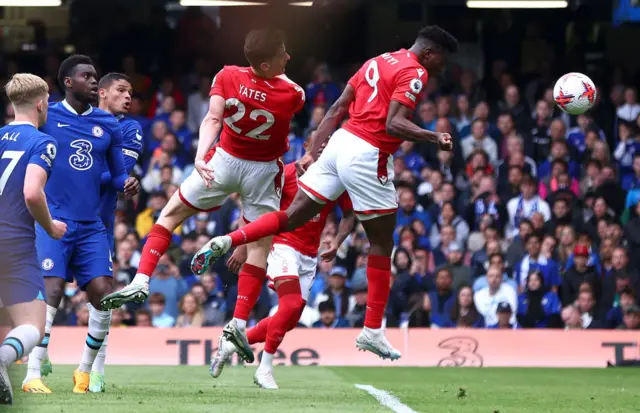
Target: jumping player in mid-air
(26, 158)
(380, 100)
(253, 106)
(291, 268)
(115, 93)
(88, 139)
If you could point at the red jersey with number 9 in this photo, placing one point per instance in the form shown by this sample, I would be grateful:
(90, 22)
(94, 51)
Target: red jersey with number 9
(391, 76)
(257, 113)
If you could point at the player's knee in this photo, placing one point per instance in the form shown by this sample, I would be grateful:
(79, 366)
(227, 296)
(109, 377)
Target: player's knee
(54, 290)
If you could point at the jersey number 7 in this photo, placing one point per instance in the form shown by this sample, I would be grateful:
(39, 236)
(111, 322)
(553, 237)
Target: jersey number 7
(15, 157)
(254, 115)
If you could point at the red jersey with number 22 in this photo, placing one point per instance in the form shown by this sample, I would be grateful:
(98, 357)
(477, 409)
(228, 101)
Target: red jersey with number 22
(391, 76)
(257, 113)
(306, 239)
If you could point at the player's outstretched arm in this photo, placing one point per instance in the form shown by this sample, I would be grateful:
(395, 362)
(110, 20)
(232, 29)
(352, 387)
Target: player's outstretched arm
(36, 201)
(400, 126)
(331, 120)
(209, 129)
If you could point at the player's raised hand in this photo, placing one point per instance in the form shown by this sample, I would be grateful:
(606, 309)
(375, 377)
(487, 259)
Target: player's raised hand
(237, 259)
(205, 172)
(445, 142)
(303, 164)
(57, 229)
(131, 186)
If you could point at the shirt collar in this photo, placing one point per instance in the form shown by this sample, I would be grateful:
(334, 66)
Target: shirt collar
(119, 117)
(72, 110)
(24, 122)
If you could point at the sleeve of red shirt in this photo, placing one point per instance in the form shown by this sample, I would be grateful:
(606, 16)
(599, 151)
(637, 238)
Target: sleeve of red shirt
(409, 83)
(299, 98)
(344, 202)
(355, 79)
(217, 86)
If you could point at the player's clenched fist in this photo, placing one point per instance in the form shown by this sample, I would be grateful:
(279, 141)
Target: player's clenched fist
(57, 229)
(445, 142)
(131, 186)
(205, 172)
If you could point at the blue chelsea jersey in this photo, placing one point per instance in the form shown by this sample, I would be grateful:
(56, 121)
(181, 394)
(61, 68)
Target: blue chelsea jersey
(21, 144)
(88, 143)
(132, 145)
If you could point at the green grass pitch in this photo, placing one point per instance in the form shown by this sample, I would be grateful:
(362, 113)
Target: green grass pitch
(332, 389)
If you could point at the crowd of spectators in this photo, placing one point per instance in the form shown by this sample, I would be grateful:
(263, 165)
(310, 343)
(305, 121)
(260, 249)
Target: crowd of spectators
(532, 221)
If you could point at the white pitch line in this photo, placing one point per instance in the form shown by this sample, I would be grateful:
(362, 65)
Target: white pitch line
(386, 399)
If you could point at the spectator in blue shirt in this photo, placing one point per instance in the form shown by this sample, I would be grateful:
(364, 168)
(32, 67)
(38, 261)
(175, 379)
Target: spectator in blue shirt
(538, 307)
(440, 300)
(177, 123)
(427, 115)
(159, 316)
(535, 261)
(463, 311)
(167, 281)
(624, 300)
(504, 312)
(409, 210)
(559, 150)
(412, 159)
(297, 146)
(328, 317)
(322, 91)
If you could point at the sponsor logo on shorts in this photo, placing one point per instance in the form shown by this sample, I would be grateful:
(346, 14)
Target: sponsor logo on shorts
(285, 267)
(383, 179)
(47, 264)
(243, 297)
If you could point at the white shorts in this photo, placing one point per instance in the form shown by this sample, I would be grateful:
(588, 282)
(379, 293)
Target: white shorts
(284, 263)
(353, 164)
(258, 183)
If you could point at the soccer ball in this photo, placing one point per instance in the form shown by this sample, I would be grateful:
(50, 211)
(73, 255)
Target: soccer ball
(574, 93)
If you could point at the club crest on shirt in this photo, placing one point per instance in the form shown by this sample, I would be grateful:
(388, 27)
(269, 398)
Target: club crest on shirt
(97, 131)
(47, 264)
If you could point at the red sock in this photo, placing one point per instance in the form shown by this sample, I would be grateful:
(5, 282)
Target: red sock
(158, 242)
(271, 223)
(378, 277)
(258, 334)
(250, 282)
(289, 303)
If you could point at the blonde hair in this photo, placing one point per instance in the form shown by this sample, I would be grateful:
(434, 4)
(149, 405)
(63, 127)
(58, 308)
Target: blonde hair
(24, 88)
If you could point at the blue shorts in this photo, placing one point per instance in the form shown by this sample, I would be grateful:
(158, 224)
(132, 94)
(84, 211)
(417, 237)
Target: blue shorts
(83, 253)
(20, 278)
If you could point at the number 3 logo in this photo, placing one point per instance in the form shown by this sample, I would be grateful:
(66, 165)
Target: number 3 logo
(82, 159)
(254, 115)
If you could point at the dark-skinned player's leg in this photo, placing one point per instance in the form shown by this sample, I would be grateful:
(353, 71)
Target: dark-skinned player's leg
(302, 209)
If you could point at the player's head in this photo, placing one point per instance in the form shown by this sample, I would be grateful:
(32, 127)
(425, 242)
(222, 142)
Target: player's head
(28, 95)
(433, 46)
(265, 51)
(115, 92)
(78, 78)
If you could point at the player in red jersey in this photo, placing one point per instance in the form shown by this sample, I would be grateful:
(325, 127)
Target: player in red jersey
(291, 269)
(380, 100)
(253, 106)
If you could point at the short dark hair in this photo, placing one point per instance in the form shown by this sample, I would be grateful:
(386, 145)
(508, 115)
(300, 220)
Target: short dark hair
(157, 298)
(535, 234)
(143, 312)
(69, 64)
(107, 80)
(262, 44)
(438, 37)
(327, 305)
